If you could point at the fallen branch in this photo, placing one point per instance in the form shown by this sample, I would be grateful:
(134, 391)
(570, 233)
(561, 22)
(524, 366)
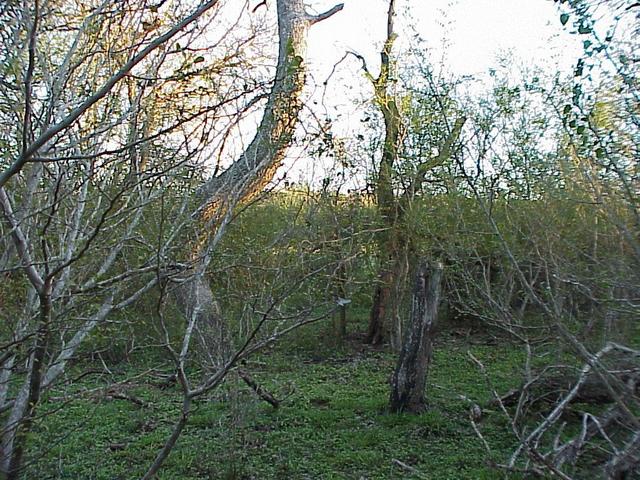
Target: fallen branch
(408, 468)
(129, 398)
(259, 390)
(623, 464)
(592, 426)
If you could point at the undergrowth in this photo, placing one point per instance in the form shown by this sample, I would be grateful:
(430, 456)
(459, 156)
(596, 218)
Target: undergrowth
(331, 424)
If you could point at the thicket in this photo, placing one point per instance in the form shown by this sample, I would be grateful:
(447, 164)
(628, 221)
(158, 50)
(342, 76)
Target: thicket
(114, 257)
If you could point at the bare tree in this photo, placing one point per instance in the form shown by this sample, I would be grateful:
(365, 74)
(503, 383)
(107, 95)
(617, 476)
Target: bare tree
(97, 154)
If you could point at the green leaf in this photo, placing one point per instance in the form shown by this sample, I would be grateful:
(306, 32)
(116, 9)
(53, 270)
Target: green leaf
(586, 44)
(580, 129)
(564, 18)
(584, 29)
(199, 59)
(566, 109)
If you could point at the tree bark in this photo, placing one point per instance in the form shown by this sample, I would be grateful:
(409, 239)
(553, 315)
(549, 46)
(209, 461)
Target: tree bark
(197, 303)
(385, 306)
(384, 311)
(409, 379)
(258, 164)
(256, 167)
(36, 373)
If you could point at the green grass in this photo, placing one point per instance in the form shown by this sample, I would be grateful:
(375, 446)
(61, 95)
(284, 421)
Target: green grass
(333, 424)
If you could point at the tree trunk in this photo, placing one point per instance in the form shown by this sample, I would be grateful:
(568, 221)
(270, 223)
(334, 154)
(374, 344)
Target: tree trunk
(17, 438)
(340, 319)
(409, 379)
(197, 303)
(383, 309)
(377, 323)
(257, 166)
(384, 315)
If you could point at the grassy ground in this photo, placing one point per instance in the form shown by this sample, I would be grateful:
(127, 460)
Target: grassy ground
(332, 425)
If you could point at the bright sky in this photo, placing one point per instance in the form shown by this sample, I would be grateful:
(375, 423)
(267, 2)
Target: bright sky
(476, 31)
(469, 36)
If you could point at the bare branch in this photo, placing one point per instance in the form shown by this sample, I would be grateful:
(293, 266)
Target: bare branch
(52, 131)
(313, 19)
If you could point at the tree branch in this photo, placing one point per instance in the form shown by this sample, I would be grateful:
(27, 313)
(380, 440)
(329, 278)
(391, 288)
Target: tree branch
(20, 241)
(313, 19)
(445, 151)
(66, 122)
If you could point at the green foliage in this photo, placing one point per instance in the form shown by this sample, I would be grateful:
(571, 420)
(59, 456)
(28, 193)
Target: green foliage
(333, 424)
(300, 246)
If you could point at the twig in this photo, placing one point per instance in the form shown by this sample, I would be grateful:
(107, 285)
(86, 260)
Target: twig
(260, 391)
(408, 468)
(124, 396)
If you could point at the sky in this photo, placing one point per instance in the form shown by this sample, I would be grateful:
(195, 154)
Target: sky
(468, 36)
(475, 32)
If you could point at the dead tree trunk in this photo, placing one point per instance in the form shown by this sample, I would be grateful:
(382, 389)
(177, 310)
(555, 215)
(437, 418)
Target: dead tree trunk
(409, 378)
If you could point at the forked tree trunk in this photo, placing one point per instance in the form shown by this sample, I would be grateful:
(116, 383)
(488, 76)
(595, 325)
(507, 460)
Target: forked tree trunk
(394, 244)
(383, 311)
(409, 379)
